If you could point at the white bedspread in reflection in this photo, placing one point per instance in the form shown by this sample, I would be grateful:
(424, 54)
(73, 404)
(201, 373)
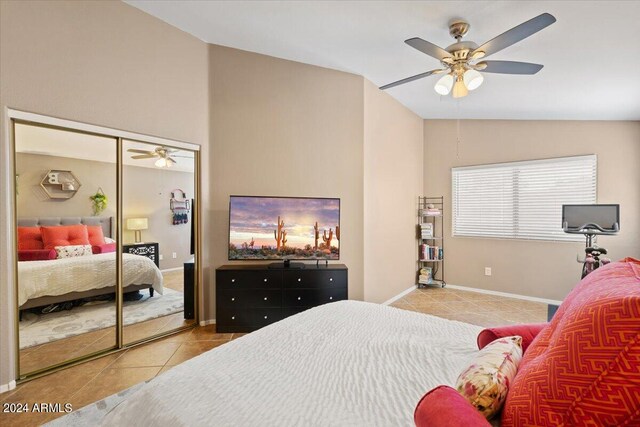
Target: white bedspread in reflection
(61, 276)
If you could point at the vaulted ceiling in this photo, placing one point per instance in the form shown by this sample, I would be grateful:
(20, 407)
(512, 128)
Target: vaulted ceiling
(590, 55)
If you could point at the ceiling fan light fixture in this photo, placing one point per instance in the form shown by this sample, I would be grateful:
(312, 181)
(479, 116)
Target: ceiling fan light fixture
(459, 89)
(477, 54)
(162, 163)
(472, 79)
(444, 85)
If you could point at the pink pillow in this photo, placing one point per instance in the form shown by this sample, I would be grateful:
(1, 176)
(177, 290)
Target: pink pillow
(445, 407)
(103, 249)
(527, 331)
(64, 235)
(36, 254)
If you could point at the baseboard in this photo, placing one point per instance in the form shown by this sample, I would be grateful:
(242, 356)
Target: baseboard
(400, 295)
(7, 387)
(505, 294)
(207, 322)
(171, 269)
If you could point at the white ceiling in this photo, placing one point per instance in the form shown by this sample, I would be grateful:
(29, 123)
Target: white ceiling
(590, 54)
(61, 143)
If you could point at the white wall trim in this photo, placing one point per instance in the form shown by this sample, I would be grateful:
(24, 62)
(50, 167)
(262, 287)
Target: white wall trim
(400, 295)
(7, 387)
(207, 322)
(505, 294)
(166, 270)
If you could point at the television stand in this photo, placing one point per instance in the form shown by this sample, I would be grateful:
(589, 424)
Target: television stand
(287, 264)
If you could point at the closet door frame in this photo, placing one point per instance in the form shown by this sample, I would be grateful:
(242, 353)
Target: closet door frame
(14, 117)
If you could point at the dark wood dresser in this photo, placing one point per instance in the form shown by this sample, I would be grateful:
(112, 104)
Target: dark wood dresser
(249, 297)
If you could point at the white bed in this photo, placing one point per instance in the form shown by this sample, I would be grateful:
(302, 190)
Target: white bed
(63, 276)
(342, 364)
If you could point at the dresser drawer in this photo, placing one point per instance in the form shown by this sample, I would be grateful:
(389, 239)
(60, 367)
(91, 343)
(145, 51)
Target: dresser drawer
(230, 318)
(313, 297)
(315, 279)
(257, 298)
(248, 279)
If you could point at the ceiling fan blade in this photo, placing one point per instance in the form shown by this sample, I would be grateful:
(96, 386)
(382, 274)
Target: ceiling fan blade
(510, 67)
(182, 157)
(171, 160)
(144, 156)
(516, 34)
(135, 150)
(428, 48)
(410, 79)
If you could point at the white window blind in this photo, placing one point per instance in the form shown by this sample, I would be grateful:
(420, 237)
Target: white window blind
(521, 200)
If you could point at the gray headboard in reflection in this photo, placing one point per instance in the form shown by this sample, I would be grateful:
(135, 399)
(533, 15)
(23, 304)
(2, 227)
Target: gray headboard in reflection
(105, 221)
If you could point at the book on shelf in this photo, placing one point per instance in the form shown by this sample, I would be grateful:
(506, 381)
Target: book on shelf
(431, 253)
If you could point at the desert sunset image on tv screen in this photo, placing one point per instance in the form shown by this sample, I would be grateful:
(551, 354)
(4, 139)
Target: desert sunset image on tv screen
(263, 228)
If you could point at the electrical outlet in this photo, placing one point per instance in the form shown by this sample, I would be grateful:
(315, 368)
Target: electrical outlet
(161, 257)
(174, 255)
(487, 271)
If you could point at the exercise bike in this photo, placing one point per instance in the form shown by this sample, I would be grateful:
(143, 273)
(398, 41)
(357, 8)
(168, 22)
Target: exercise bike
(587, 220)
(592, 259)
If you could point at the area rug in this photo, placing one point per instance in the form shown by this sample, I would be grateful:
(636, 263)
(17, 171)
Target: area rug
(38, 329)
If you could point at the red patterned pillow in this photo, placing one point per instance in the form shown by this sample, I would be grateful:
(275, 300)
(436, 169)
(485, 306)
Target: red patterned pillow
(64, 235)
(584, 368)
(29, 238)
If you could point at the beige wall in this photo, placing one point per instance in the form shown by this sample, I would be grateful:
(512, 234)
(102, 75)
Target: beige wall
(104, 63)
(393, 163)
(283, 128)
(534, 268)
(147, 193)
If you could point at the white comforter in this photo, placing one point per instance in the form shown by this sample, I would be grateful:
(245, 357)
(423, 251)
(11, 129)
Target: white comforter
(342, 364)
(61, 276)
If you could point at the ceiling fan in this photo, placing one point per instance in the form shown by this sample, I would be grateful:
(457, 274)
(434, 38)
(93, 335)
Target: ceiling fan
(165, 156)
(460, 60)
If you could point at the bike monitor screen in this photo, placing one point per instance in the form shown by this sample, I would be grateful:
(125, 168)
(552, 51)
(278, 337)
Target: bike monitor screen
(580, 217)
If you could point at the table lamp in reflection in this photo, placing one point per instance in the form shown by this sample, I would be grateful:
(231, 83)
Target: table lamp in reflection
(137, 224)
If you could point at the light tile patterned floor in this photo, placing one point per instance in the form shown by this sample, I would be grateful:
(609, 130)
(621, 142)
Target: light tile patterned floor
(100, 378)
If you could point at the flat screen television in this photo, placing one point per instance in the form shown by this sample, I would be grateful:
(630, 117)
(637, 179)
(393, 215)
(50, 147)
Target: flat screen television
(603, 218)
(289, 228)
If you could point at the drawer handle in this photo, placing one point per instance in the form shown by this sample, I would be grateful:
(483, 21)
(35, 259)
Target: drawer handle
(331, 279)
(265, 317)
(299, 279)
(265, 298)
(233, 299)
(265, 280)
(233, 317)
(330, 297)
(299, 298)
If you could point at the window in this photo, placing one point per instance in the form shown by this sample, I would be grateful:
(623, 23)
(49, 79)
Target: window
(521, 200)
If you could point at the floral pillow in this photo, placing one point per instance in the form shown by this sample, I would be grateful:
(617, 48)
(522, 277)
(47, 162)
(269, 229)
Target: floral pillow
(486, 381)
(73, 251)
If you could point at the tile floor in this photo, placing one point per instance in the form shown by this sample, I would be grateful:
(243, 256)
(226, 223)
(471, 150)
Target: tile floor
(95, 380)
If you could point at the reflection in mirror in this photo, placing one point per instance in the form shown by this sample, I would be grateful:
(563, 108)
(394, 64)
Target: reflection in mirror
(158, 197)
(66, 211)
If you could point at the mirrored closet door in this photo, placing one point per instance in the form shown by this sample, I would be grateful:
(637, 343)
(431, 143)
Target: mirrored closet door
(66, 185)
(106, 240)
(158, 239)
